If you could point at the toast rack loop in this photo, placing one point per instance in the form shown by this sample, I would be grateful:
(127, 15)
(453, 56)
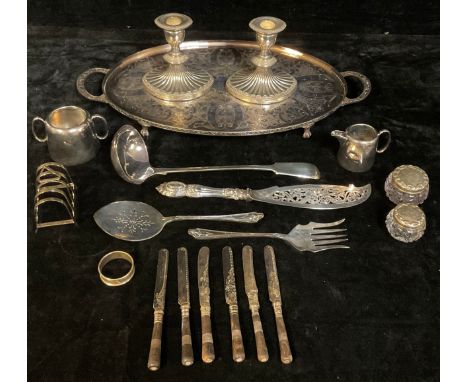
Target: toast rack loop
(176, 82)
(54, 185)
(262, 85)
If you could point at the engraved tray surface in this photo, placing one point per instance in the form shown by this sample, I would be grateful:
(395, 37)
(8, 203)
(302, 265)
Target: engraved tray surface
(320, 91)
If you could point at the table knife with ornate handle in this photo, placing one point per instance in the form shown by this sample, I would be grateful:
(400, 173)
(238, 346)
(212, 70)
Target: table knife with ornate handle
(311, 196)
(275, 298)
(230, 294)
(208, 354)
(251, 291)
(184, 302)
(154, 358)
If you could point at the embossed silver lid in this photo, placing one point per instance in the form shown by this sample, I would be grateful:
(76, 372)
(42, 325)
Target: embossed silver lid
(409, 216)
(406, 222)
(410, 179)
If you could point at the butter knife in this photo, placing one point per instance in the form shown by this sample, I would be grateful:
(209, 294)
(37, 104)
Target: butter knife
(184, 302)
(208, 354)
(251, 291)
(275, 298)
(230, 294)
(311, 196)
(154, 358)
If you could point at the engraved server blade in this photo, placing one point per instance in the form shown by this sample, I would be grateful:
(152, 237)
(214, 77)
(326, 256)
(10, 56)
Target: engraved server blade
(313, 196)
(249, 276)
(182, 277)
(203, 276)
(272, 276)
(229, 277)
(161, 279)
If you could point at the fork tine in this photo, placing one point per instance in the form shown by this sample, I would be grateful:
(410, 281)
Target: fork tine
(333, 230)
(325, 247)
(333, 241)
(332, 224)
(321, 237)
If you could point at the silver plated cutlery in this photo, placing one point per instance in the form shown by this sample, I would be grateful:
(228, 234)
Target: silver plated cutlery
(312, 237)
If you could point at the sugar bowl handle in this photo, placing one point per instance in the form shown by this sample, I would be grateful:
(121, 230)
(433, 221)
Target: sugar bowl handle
(106, 126)
(387, 143)
(33, 129)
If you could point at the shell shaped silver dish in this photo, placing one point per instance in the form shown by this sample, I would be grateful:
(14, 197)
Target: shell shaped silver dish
(321, 90)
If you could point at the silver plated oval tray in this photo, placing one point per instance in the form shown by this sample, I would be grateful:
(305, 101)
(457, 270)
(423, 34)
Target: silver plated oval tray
(321, 89)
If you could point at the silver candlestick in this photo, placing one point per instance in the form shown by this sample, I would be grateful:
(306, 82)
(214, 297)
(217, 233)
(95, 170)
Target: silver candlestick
(176, 82)
(262, 85)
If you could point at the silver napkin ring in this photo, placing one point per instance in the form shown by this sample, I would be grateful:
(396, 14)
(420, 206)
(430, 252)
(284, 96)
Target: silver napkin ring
(114, 256)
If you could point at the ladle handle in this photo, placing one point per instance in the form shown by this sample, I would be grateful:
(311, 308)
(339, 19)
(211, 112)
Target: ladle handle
(297, 169)
(248, 217)
(165, 171)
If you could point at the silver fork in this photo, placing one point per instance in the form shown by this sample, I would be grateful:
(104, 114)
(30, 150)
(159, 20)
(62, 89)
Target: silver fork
(312, 237)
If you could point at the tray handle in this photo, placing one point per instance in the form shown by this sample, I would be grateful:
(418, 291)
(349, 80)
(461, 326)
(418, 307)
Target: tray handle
(81, 87)
(366, 87)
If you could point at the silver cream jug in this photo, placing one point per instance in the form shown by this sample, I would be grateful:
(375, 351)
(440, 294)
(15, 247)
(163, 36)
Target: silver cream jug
(70, 134)
(358, 146)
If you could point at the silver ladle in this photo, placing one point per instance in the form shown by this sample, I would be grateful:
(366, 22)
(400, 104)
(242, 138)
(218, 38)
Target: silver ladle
(131, 161)
(137, 221)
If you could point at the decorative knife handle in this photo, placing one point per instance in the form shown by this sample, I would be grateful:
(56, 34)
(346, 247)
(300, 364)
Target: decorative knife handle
(154, 358)
(238, 354)
(262, 350)
(208, 354)
(285, 350)
(187, 351)
(180, 190)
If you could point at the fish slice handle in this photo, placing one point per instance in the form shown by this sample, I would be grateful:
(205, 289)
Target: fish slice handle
(179, 190)
(154, 358)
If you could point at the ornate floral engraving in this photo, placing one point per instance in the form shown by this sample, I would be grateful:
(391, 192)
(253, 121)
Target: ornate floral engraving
(320, 91)
(326, 194)
(230, 285)
(133, 222)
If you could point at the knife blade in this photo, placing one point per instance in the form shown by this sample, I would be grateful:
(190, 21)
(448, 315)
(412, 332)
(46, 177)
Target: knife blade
(230, 294)
(251, 291)
(184, 302)
(310, 196)
(275, 298)
(154, 358)
(208, 354)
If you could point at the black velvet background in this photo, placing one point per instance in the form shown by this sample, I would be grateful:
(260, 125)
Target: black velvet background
(366, 314)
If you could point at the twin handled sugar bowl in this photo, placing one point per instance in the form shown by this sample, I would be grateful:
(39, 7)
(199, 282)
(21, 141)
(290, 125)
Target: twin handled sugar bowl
(358, 146)
(71, 134)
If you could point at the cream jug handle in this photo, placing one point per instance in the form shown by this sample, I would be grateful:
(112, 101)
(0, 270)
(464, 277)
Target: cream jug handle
(389, 139)
(33, 129)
